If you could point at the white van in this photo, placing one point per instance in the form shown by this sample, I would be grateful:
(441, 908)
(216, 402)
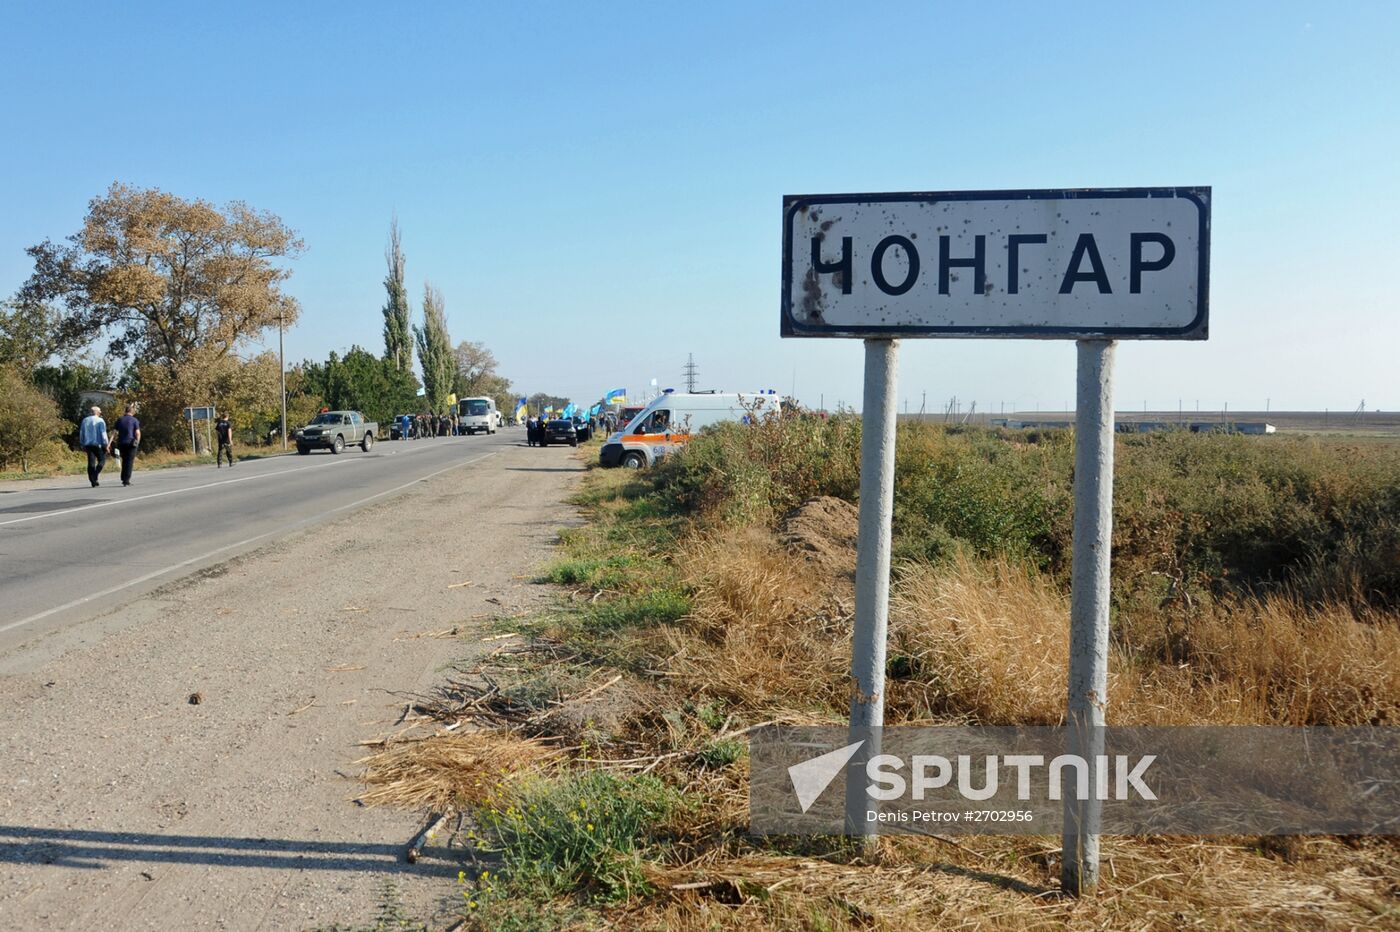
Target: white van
(670, 419)
(477, 414)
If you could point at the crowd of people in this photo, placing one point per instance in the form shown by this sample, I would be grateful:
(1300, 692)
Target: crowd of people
(411, 427)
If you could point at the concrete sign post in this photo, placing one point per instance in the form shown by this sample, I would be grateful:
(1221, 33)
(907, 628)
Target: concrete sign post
(1091, 265)
(878, 415)
(1088, 604)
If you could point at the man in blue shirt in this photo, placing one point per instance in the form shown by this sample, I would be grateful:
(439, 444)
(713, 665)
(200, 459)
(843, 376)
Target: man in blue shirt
(128, 438)
(92, 437)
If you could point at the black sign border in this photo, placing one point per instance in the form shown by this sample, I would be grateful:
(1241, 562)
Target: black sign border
(1197, 329)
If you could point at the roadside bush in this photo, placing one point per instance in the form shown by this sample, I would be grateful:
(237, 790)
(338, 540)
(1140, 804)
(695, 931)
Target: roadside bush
(29, 423)
(981, 493)
(752, 473)
(1222, 514)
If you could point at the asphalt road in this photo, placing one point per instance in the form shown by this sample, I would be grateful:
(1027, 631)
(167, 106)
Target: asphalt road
(68, 551)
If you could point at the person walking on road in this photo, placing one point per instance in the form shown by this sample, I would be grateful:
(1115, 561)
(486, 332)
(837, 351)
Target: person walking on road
(128, 438)
(223, 430)
(92, 437)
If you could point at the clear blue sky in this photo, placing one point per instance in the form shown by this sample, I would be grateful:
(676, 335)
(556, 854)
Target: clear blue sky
(596, 188)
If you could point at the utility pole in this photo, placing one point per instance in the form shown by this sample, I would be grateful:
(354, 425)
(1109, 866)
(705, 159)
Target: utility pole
(690, 372)
(282, 367)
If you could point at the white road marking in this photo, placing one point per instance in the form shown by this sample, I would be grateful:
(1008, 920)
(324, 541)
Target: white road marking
(194, 488)
(242, 543)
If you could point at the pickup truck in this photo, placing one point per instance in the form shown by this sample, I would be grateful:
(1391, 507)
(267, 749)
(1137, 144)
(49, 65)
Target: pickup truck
(335, 430)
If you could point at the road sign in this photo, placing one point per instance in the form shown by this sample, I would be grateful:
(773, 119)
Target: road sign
(1118, 263)
(1092, 265)
(202, 413)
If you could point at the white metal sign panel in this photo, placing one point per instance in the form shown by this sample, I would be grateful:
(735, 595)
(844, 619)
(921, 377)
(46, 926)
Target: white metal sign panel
(1119, 263)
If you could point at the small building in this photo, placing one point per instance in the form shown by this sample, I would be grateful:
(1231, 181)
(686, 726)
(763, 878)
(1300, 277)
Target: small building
(105, 398)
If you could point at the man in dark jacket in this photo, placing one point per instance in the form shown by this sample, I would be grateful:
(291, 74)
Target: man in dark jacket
(128, 438)
(223, 430)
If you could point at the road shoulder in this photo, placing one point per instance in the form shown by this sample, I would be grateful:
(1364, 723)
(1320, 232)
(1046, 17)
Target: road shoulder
(127, 806)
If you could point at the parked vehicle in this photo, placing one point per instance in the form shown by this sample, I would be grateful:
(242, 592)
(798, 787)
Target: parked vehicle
(583, 428)
(335, 430)
(667, 423)
(626, 413)
(478, 414)
(559, 430)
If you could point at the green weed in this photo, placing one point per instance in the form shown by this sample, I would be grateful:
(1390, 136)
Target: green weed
(578, 834)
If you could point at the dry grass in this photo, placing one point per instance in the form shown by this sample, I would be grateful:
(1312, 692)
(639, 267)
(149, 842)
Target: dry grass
(765, 633)
(1276, 661)
(1011, 883)
(449, 771)
(768, 637)
(983, 643)
(987, 643)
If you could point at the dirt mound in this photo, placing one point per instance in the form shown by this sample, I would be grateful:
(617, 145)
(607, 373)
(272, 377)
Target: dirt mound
(823, 531)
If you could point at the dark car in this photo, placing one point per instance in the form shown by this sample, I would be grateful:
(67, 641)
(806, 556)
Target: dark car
(559, 430)
(582, 428)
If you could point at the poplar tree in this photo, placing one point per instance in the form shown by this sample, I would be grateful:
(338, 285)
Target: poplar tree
(435, 355)
(398, 345)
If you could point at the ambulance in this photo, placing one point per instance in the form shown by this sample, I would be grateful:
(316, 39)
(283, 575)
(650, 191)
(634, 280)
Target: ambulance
(670, 419)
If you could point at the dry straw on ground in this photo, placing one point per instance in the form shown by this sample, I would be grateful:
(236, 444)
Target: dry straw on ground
(448, 771)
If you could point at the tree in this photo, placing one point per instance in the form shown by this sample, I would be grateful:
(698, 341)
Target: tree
(398, 344)
(66, 382)
(248, 391)
(30, 334)
(475, 366)
(175, 285)
(303, 397)
(477, 376)
(435, 350)
(539, 401)
(498, 389)
(361, 381)
(29, 421)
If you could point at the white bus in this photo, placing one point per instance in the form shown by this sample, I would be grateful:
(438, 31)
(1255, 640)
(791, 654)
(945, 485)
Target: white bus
(478, 414)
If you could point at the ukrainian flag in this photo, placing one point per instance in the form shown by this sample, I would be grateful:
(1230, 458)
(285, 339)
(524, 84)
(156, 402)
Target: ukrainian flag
(522, 409)
(618, 396)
